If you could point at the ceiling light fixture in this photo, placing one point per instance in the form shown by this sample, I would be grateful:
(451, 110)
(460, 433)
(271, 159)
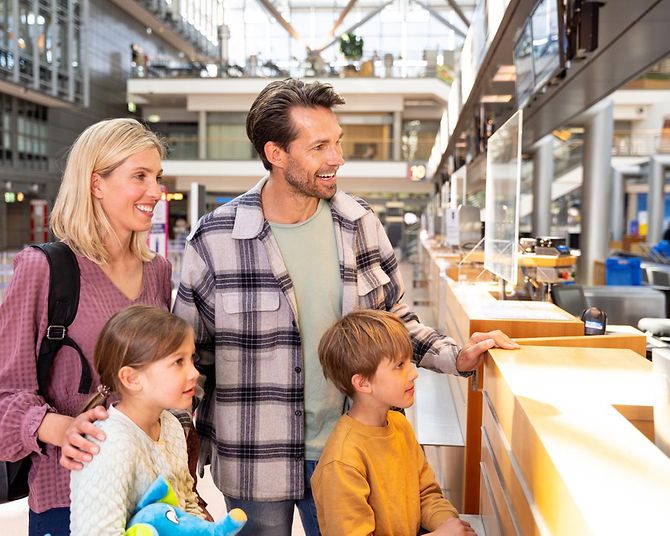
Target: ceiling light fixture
(488, 99)
(505, 73)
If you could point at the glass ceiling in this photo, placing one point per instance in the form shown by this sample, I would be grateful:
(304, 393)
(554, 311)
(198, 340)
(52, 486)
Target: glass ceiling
(403, 28)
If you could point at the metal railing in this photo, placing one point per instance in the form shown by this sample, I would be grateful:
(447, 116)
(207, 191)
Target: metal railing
(6, 270)
(186, 147)
(641, 143)
(170, 68)
(568, 155)
(624, 143)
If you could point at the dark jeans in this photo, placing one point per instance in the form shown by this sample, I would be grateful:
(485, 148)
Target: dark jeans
(276, 518)
(53, 522)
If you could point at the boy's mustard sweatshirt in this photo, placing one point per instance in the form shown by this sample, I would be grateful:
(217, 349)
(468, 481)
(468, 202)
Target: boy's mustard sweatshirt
(376, 480)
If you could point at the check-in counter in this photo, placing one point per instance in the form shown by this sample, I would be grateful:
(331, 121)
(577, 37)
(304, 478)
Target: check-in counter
(461, 309)
(622, 337)
(566, 446)
(464, 309)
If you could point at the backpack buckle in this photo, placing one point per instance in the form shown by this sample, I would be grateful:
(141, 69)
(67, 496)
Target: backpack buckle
(56, 333)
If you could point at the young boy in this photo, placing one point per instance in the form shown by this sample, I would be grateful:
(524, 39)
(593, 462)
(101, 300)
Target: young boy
(373, 477)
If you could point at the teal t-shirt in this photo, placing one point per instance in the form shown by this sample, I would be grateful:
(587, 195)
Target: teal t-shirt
(309, 251)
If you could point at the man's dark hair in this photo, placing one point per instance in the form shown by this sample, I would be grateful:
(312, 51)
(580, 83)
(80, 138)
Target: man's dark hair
(269, 118)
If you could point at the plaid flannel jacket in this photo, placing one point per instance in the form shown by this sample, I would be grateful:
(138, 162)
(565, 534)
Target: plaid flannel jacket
(236, 293)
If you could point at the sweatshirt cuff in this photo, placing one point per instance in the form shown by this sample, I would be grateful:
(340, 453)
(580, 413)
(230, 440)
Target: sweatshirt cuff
(438, 519)
(31, 422)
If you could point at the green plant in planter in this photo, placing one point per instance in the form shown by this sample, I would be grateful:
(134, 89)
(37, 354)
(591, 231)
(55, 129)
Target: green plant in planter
(351, 46)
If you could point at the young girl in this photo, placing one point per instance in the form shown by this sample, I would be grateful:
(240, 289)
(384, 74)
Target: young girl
(145, 357)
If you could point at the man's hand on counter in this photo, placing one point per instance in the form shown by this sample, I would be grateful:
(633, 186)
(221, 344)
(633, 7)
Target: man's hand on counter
(472, 354)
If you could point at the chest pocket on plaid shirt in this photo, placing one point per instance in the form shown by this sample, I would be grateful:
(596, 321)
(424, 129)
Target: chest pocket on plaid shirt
(370, 283)
(250, 325)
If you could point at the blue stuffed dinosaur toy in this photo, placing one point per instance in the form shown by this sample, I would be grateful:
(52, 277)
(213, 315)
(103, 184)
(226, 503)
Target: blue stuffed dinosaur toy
(157, 514)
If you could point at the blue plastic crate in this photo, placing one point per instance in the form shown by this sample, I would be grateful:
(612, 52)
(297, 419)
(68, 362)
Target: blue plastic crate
(623, 271)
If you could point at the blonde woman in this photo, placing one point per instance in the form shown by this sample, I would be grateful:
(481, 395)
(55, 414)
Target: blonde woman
(103, 211)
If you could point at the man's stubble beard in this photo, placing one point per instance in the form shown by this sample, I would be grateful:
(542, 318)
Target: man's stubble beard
(305, 187)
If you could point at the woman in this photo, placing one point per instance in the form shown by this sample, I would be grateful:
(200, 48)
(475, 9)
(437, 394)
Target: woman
(103, 211)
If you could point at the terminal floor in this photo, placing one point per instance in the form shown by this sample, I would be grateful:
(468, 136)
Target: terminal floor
(14, 516)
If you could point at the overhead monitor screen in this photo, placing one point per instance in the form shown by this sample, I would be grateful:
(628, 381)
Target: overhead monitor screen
(570, 298)
(546, 44)
(503, 183)
(523, 64)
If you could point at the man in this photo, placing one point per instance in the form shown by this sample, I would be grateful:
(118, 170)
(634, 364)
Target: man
(263, 277)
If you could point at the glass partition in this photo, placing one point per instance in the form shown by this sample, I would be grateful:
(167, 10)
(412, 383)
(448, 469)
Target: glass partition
(661, 377)
(503, 181)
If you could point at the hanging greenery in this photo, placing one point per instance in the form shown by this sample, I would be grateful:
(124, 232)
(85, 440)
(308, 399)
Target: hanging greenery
(351, 46)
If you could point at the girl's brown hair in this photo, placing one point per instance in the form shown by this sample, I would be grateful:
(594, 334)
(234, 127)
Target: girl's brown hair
(134, 337)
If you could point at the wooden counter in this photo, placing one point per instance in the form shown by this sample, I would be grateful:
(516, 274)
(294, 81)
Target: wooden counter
(558, 455)
(630, 339)
(547, 261)
(461, 309)
(469, 308)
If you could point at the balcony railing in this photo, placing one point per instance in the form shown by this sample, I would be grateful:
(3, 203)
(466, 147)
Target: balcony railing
(567, 155)
(6, 270)
(624, 143)
(46, 76)
(360, 69)
(641, 143)
(186, 147)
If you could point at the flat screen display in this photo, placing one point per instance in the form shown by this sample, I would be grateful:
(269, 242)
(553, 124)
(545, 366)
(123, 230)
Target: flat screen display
(570, 298)
(523, 64)
(546, 41)
(503, 182)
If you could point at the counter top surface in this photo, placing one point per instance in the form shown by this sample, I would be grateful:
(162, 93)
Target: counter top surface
(618, 478)
(531, 259)
(478, 302)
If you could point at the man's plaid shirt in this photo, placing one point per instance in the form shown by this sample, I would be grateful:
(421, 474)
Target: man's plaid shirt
(236, 293)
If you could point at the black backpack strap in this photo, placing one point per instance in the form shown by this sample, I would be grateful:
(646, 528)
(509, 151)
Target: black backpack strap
(64, 282)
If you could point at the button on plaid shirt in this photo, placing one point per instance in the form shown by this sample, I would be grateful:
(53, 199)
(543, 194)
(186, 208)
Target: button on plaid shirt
(236, 293)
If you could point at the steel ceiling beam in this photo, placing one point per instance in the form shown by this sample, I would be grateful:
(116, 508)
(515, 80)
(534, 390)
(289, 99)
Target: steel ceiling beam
(439, 17)
(283, 22)
(340, 19)
(454, 5)
(365, 19)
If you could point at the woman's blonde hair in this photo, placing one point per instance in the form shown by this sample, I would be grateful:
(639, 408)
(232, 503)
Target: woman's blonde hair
(77, 217)
(134, 337)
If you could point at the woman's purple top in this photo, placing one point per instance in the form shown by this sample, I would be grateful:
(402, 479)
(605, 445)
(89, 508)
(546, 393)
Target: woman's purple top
(23, 322)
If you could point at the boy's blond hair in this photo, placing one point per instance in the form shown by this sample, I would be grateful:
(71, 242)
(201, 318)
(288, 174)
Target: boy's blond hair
(358, 343)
